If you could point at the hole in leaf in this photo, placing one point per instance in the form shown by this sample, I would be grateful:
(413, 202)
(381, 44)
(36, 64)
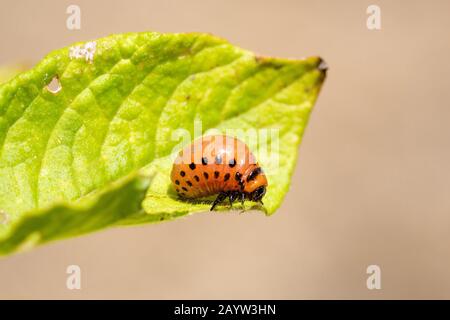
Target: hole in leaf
(4, 217)
(55, 85)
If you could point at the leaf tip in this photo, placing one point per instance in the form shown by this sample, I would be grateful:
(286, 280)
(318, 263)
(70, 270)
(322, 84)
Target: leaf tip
(322, 66)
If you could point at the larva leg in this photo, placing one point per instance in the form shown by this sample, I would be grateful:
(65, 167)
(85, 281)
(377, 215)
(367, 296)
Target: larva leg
(220, 197)
(232, 196)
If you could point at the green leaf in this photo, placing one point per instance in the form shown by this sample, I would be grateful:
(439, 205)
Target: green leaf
(78, 158)
(96, 211)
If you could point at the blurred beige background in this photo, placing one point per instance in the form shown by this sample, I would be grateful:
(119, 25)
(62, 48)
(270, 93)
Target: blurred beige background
(372, 185)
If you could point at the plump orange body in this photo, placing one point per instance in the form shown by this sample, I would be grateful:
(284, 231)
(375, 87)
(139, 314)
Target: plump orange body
(218, 165)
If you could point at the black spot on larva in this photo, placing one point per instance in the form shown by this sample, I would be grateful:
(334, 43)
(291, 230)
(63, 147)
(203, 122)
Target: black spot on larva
(192, 166)
(227, 176)
(183, 194)
(184, 189)
(182, 173)
(254, 174)
(178, 190)
(216, 174)
(177, 182)
(189, 183)
(206, 175)
(218, 159)
(204, 161)
(197, 178)
(232, 163)
(238, 176)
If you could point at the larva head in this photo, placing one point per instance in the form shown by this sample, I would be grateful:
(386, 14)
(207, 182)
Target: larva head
(255, 183)
(258, 194)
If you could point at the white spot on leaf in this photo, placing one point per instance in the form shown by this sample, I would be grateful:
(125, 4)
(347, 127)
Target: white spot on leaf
(86, 52)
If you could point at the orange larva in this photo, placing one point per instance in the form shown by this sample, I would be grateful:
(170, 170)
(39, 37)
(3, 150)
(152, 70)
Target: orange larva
(219, 165)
